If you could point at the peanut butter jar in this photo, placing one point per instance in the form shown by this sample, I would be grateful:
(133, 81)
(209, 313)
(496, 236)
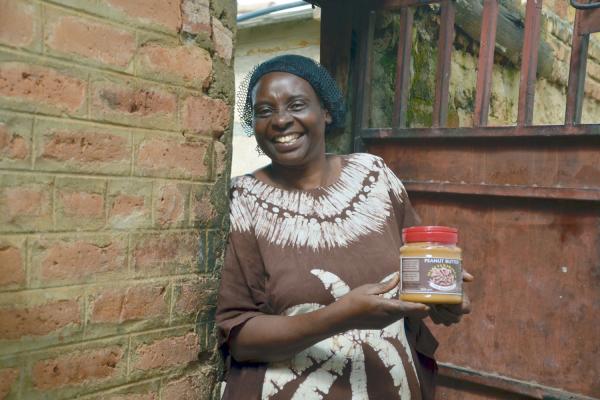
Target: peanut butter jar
(431, 265)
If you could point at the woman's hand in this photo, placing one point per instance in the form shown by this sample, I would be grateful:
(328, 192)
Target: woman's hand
(449, 314)
(366, 308)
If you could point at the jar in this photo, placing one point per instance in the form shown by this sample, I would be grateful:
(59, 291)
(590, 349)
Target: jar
(430, 265)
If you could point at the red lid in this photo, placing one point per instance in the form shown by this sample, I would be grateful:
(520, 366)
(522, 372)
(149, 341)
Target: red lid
(437, 234)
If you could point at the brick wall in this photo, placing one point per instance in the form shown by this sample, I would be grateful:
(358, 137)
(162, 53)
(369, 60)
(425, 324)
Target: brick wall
(114, 157)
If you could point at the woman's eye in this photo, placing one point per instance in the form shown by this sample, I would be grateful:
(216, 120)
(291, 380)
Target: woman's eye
(297, 106)
(262, 112)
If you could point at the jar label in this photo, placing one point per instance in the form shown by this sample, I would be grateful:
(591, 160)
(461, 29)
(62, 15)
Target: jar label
(429, 275)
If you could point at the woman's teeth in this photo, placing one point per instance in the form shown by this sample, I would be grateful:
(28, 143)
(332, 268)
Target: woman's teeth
(287, 138)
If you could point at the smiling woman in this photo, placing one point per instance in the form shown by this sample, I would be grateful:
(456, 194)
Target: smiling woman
(308, 305)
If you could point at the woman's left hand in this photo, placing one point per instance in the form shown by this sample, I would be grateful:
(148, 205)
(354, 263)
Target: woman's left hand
(449, 314)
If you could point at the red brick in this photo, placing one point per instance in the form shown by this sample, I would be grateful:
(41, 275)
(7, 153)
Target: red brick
(223, 40)
(26, 201)
(196, 16)
(124, 205)
(41, 85)
(129, 203)
(203, 211)
(157, 252)
(202, 114)
(194, 296)
(82, 204)
(80, 259)
(77, 368)
(134, 105)
(8, 376)
(38, 320)
(85, 147)
(133, 303)
(89, 39)
(189, 64)
(168, 352)
(171, 204)
(12, 267)
(17, 23)
(163, 12)
(171, 158)
(190, 388)
(13, 145)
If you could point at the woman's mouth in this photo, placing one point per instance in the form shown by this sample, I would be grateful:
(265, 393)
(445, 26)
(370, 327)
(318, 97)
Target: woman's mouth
(287, 139)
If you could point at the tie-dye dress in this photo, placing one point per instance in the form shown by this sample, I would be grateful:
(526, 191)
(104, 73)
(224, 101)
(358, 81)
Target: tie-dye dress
(295, 251)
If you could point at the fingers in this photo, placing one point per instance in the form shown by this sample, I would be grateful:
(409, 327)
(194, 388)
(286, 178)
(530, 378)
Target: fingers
(467, 277)
(407, 309)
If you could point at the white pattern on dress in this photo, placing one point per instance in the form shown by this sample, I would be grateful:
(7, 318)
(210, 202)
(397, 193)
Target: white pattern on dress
(357, 204)
(334, 353)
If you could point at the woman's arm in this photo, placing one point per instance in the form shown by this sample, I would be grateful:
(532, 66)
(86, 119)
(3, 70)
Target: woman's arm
(269, 338)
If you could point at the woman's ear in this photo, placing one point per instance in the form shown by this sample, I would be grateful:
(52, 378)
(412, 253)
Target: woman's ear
(328, 117)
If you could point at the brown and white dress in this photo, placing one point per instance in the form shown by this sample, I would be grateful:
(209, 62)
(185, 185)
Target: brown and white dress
(295, 251)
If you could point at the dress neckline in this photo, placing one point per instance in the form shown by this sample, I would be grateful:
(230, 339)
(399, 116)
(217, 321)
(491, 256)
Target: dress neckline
(344, 163)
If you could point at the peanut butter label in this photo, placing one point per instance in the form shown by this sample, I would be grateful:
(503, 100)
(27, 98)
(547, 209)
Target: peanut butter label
(428, 275)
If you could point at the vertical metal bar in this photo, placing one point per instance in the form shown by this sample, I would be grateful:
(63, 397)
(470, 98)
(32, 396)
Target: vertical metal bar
(403, 67)
(577, 67)
(442, 78)
(529, 60)
(363, 74)
(487, 44)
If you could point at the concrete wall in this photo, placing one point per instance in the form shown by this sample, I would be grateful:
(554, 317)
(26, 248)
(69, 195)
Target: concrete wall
(114, 161)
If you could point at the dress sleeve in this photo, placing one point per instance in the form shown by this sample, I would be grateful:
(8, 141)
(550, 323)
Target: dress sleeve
(242, 294)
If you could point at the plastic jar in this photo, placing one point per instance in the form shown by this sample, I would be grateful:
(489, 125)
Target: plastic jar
(430, 265)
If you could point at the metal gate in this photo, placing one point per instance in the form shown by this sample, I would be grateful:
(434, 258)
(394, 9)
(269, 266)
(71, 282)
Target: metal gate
(526, 200)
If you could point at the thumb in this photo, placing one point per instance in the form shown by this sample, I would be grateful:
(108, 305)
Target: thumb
(467, 277)
(388, 285)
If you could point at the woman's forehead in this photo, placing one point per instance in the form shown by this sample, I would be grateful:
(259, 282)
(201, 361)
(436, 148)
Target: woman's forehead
(282, 84)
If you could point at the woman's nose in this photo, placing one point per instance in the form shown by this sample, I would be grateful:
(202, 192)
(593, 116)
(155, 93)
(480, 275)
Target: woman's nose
(282, 118)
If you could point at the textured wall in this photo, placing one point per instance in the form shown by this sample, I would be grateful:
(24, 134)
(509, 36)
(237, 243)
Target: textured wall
(115, 137)
(550, 97)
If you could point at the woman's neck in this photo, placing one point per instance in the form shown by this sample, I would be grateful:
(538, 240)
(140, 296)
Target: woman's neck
(322, 172)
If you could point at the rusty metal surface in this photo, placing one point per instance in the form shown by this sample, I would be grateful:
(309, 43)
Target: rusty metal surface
(526, 200)
(403, 68)
(539, 132)
(487, 44)
(590, 21)
(529, 59)
(442, 76)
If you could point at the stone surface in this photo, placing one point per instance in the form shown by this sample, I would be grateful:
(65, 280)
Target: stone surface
(83, 37)
(30, 83)
(167, 352)
(77, 368)
(38, 320)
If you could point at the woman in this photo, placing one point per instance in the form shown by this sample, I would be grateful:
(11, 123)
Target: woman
(308, 303)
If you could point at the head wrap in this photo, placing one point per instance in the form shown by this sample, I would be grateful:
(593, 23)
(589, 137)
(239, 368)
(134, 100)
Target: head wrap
(306, 68)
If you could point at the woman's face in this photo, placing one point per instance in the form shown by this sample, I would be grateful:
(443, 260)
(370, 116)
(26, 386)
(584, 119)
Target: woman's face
(289, 120)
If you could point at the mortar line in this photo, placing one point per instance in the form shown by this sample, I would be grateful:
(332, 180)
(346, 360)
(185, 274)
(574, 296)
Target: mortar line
(101, 176)
(34, 128)
(175, 133)
(108, 231)
(75, 344)
(105, 18)
(124, 283)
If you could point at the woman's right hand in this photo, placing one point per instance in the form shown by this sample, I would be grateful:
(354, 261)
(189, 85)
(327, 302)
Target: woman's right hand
(366, 308)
